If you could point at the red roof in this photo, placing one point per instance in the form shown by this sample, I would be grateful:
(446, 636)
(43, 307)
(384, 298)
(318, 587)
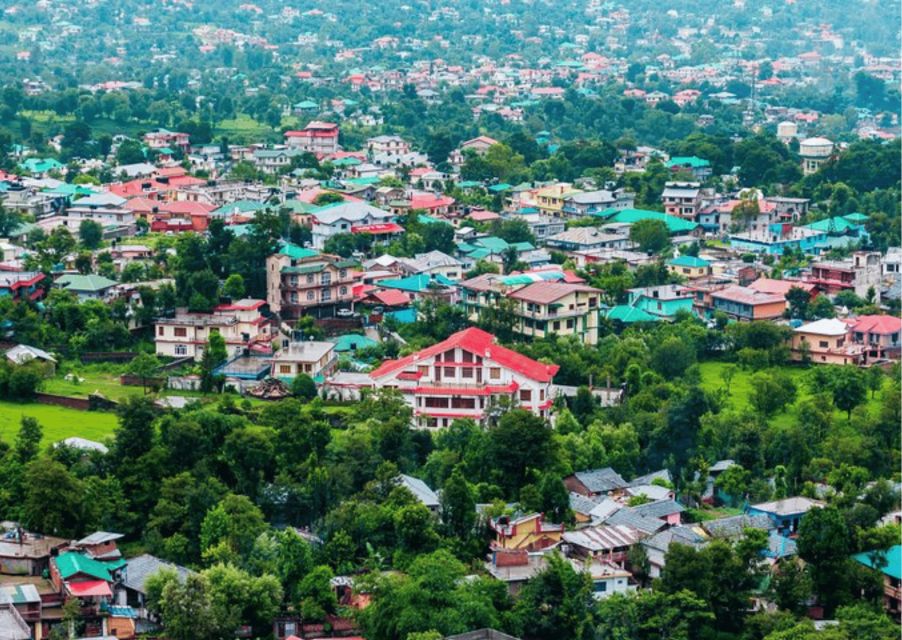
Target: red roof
(89, 588)
(377, 229)
(430, 201)
(248, 304)
(142, 204)
(745, 295)
(185, 207)
(392, 297)
(480, 343)
(483, 216)
(878, 324)
(548, 292)
(779, 287)
(170, 172)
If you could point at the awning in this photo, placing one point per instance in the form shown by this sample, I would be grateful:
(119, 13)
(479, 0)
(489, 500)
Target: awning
(89, 588)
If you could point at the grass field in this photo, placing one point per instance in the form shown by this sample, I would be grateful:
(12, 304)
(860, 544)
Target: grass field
(741, 389)
(58, 422)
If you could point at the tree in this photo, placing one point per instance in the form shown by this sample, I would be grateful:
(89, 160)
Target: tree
(316, 598)
(521, 441)
(28, 440)
(653, 615)
(823, 543)
(90, 233)
(53, 499)
(652, 236)
(791, 586)
(145, 367)
(134, 435)
(9, 221)
(327, 197)
(214, 355)
(233, 525)
(672, 357)
(798, 300)
(849, 388)
(555, 603)
(188, 613)
(303, 387)
(771, 392)
(458, 506)
(233, 287)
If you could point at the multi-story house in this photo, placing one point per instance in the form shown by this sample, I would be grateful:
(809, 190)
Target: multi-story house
(163, 139)
(21, 285)
(387, 146)
(318, 284)
(879, 335)
(664, 301)
(470, 376)
(550, 200)
(241, 324)
(744, 303)
(685, 199)
(313, 358)
(317, 137)
(585, 203)
(825, 341)
(344, 217)
(859, 274)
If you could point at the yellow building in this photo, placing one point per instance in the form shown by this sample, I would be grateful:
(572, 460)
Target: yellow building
(551, 199)
(529, 532)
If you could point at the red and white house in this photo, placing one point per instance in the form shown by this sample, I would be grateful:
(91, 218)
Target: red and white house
(466, 376)
(317, 137)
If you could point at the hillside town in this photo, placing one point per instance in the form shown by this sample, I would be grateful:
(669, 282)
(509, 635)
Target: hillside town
(330, 321)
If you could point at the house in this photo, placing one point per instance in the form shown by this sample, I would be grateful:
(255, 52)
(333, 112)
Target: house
(23, 599)
(527, 532)
(479, 145)
(106, 209)
(541, 226)
(698, 167)
(543, 306)
(342, 217)
(465, 376)
(684, 199)
(610, 543)
(664, 301)
(690, 267)
(880, 336)
(596, 482)
(421, 491)
(78, 576)
(134, 586)
(607, 578)
(92, 287)
(100, 545)
(317, 137)
(744, 303)
(163, 139)
(12, 625)
(587, 239)
(438, 264)
(889, 563)
(242, 325)
(318, 284)
(814, 152)
(23, 353)
(825, 341)
(550, 200)
(675, 225)
(586, 203)
(387, 146)
(785, 514)
(23, 553)
(313, 358)
(861, 273)
(656, 546)
(423, 286)
(21, 285)
(514, 567)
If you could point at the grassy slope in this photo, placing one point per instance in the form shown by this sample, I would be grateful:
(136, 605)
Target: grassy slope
(58, 422)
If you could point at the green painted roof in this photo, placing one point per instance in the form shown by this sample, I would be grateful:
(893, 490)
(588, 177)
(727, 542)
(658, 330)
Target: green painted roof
(893, 557)
(632, 216)
(498, 188)
(70, 564)
(295, 252)
(352, 342)
(691, 161)
(306, 104)
(92, 283)
(479, 254)
(857, 217)
(628, 315)
(349, 161)
(41, 165)
(304, 269)
(426, 219)
(469, 184)
(836, 224)
(296, 206)
(418, 283)
(689, 261)
(523, 246)
(363, 182)
(493, 244)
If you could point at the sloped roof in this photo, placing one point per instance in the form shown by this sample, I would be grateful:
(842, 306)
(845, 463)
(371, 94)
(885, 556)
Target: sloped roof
(788, 506)
(601, 480)
(689, 261)
(547, 292)
(627, 314)
(659, 508)
(92, 283)
(878, 324)
(478, 342)
(893, 557)
(632, 216)
(630, 517)
(140, 568)
(420, 490)
(602, 537)
(72, 563)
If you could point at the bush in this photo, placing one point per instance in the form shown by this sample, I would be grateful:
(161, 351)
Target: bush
(24, 382)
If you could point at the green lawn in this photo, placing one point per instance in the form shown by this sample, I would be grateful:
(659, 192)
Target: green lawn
(741, 389)
(243, 127)
(58, 422)
(102, 379)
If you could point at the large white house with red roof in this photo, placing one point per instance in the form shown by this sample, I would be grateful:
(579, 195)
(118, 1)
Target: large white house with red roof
(317, 137)
(466, 376)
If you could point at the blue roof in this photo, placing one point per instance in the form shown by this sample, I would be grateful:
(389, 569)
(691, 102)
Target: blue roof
(689, 261)
(892, 557)
(418, 283)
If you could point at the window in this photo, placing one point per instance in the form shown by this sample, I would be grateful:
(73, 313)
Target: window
(180, 332)
(327, 278)
(343, 291)
(571, 323)
(495, 373)
(311, 295)
(600, 586)
(449, 372)
(160, 330)
(823, 344)
(467, 372)
(343, 274)
(284, 368)
(525, 395)
(181, 350)
(309, 278)
(326, 295)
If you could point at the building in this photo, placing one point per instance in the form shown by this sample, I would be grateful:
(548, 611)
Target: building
(596, 482)
(134, 586)
(525, 533)
(466, 376)
(698, 167)
(684, 199)
(587, 239)
(317, 284)
(23, 553)
(345, 217)
(889, 563)
(313, 358)
(551, 199)
(21, 285)
(744, 303)
(421, 491)
(610, 543)
(689, 267)
(825, 341)
(387, 146)
(664, 301)
(242, 325)
(786, 514)
(161, 139)
(607, 578)
(479, 145)
(860, 274)
(879, 335)
(814, 153)
(320, 138)
(585, 203)
(92, 287)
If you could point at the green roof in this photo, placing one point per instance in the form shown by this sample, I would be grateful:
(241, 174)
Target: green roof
(352, 342)
(304, 269)
(41, 165)
(71, 563)
(479, 254)
(295, 252)
(628, 315)
(857, 217)
(363, 182)
(469, 184)
(632, 216)
(498, 188)
(836, 224)
(418, 283)
(72, 282)
(523, 246)
(306, 104)
(892, 556)
(689, 261)
(349, 161)
(493, 244)
(297, 206)
(239, 206)
(426, 219)
(690, 161)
